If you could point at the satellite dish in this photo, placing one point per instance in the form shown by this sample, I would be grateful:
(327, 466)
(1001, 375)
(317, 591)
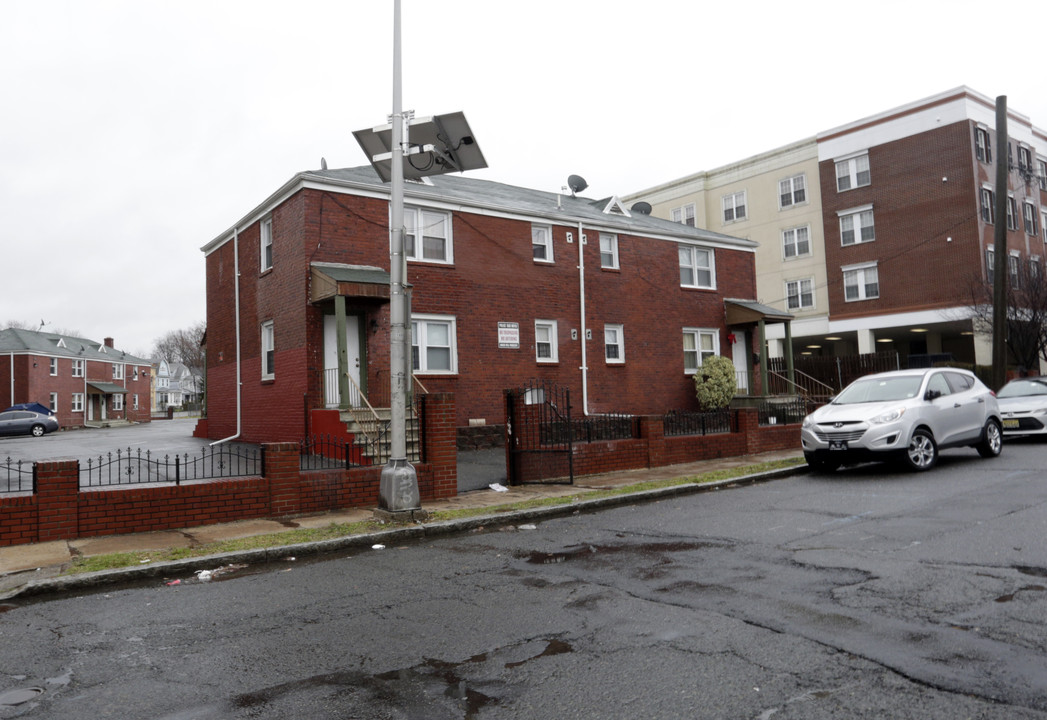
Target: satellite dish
(577, 183)
(643, 208)
(323, 163)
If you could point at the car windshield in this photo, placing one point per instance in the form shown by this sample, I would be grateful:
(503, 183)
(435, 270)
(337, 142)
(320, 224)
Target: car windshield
(1023, 388)
(880, 390)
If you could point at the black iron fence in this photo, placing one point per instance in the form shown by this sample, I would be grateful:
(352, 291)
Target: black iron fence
(328, 452)
(127, 467)
(17, 476)
(783, 412)
(677, 422)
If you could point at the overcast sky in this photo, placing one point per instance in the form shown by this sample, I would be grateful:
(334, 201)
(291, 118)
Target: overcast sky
(132, 133)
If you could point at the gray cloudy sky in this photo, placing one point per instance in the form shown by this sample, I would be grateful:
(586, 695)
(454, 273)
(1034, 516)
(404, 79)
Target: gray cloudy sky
(134, 132)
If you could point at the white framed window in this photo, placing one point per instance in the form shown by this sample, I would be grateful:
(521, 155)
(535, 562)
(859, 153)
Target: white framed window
(734, 207)
(268, 354)
(78, 368)
(434, 344)
(609, 251)
(614, 343)
(1012, 268)
(434, 229)
(857, 226)
(77, 402)
(118, 401)
(545, 341)
(1012, 213)
(799, 294)
(265, 244)
(861, 282)
(1043, 224)
(796, 242)
(697, 267)
(134, 401)
(1029, 216)
(54, 366)
(118, 371)
(990, 261)
(1041, 173)
(982, 144)
(988, 201)
(164, 382)
(542, 243)
(792, 191)
(1024, 159)
(684, 215)
(698, 345)
(852, 173)
(53, 402)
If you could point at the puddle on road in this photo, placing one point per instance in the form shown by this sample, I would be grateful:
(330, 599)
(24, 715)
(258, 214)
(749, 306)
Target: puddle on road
(19, 696)
(1030, 570)
(586, 551)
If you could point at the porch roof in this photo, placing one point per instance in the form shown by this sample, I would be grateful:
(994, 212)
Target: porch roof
(331, 279)
(740, 312)
(107, 388)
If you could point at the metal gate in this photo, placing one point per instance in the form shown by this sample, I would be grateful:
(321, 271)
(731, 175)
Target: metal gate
(538, 423)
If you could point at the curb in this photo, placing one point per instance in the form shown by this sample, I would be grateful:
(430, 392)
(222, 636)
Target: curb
(413, 532)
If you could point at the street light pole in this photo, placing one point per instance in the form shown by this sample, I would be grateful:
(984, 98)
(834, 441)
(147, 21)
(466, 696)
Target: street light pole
(398, 488)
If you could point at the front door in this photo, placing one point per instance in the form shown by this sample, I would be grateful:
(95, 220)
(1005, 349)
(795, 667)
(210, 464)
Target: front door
(352, 347)
(740, 355)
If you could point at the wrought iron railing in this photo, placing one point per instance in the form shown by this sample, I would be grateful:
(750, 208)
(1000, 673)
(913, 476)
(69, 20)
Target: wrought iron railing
(774, 412)
(17, 476)
(676, 423)
(127, 467)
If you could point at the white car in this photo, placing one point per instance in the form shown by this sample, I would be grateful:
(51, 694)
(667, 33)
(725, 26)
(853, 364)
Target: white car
(1023, 406)
(906, 414)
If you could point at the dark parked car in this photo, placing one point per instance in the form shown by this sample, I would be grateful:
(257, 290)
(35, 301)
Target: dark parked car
(27, 422)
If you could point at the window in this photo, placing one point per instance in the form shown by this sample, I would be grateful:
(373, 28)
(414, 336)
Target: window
(609, 251)
(265, 244)
(268, 352)
(1034, 268)
(433, 344)
(542, 243)
(53, 404)
(990, 262)
(696, 267)
(1012, 213)
(684, 215)
(1029, 215)
(78, 402)
(792, 191)
(1043, 224)
(614, 343)
(433, 226)
(163, 382)
(1012, 269)
(982, 146)
(799, 294)
(134, 401)
(852, 173)
(988, 205)
(118, 401)
(861, 283)
(545, 345)
(856, 226)
(54, 366)
(1041, 173)
(698, 344)
(734, 207)
(78, 368)
(118, 371)
(1024, 159)
(796, 242)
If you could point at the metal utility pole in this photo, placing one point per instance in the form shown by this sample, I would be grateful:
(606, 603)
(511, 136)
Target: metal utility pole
(1001, 259)
(398, 488)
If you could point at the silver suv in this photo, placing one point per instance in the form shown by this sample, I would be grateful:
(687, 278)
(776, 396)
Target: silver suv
(907, 414)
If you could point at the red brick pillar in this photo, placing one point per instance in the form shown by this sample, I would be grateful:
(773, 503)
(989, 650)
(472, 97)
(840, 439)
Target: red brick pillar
(282, 472)
(57, 500)
(652, 429)
(441, 443)
(749, 427)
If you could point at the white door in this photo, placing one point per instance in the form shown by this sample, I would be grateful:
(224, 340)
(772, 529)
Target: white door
(352, 347)
(739, 353)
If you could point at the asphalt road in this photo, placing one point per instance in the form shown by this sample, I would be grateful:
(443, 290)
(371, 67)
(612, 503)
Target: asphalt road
(871, 593)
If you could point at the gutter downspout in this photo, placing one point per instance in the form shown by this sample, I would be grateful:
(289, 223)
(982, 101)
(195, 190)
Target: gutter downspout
(236, 306)
(581, 302)
(11, 358)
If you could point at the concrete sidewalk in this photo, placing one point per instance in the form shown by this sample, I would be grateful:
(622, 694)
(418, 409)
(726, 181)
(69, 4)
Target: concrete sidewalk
(37, 568)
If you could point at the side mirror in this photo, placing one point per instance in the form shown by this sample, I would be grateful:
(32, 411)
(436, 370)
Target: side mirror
(932, 395)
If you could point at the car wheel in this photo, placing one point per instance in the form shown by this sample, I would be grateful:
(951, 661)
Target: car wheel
(922, 453)
(37, 430)
(819, 465)
(992, 440)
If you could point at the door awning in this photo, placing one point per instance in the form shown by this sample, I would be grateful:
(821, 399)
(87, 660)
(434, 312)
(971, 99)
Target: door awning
(741, 312)
(331, 279)
(107, 388)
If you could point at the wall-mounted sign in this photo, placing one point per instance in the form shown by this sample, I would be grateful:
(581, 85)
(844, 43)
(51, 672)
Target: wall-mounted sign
(509, 335)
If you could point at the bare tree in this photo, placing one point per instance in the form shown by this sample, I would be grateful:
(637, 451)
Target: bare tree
(1026, 336)
(42, 326)
(183, 346)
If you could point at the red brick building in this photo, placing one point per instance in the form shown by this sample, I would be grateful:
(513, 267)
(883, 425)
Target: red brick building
(506, 285)
(84, 382)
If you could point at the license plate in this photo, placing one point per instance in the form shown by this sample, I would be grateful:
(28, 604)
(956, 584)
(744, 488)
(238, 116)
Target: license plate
(1011, 424)
(838, 445)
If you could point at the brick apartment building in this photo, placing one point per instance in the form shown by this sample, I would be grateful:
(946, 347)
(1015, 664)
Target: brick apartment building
(84, 382)
(892, 224)
(506, 285)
